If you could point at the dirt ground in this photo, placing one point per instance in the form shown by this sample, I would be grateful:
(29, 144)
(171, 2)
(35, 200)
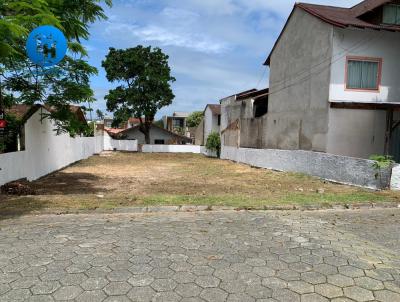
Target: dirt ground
(115, 180)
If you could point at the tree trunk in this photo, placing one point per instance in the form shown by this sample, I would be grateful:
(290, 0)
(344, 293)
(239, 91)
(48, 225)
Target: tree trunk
(145, 129)
(147, 136)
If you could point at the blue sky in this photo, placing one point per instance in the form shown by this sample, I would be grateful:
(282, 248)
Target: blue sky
(216, 47)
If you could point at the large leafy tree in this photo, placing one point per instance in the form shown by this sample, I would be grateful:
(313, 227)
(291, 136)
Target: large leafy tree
(21, 81)
(144, 84)
(194, 119)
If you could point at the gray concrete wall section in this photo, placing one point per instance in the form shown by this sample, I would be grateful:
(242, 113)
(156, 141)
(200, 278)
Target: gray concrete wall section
(341, 169)
(199, 134)
(358, 133)
(251, 133)
(299, 91)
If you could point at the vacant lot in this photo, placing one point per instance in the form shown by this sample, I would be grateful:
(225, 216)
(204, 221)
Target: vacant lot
(121, 179)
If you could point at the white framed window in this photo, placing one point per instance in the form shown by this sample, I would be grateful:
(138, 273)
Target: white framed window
(363, 73)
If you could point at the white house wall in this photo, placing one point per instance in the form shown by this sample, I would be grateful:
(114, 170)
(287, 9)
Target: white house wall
(45, 152)
(210, 123)
(366, 43)
(155, 134)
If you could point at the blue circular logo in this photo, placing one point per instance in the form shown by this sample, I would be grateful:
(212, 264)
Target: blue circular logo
(46, 46)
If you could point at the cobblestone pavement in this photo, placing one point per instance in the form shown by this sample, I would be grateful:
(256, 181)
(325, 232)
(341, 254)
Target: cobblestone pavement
(212, 256)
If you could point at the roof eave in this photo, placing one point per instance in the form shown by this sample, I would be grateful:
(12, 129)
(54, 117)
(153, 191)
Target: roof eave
(299, 5)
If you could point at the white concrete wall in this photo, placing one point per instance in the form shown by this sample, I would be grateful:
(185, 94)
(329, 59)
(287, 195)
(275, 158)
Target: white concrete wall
(45, 152)
(395, 178)
(341, 169)
(173, 149)
(366, 43)
(210, 124)
(111, 144)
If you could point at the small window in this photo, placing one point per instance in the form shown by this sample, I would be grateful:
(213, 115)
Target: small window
(159, 142)
(363, 74)
(219, 119)
(391, 14)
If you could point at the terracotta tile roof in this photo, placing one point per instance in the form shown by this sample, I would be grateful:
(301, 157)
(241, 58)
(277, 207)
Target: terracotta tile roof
(23, 112)
(215, 109)
(345, 17)
(19, 111)
(342, 17)
(134, 121)
(113, 131)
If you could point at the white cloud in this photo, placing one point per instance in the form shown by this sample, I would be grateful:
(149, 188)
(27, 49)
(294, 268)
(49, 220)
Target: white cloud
(216, 47)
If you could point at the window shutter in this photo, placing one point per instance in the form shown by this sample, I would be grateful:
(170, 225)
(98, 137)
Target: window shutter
(390, 14)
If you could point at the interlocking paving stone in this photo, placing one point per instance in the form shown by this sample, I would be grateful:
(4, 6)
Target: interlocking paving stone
(358, 294)
(328, 290)
(197, 257)
(313, 298)
(301, 287)
(67, 293)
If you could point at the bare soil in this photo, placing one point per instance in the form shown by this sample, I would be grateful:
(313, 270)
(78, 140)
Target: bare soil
(115, 180)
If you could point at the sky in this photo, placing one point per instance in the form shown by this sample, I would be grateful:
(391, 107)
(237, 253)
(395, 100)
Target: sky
(216, 47)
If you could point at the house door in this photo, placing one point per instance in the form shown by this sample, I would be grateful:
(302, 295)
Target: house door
(395, 144)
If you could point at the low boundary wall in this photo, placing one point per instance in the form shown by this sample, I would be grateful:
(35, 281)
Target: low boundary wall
(172, 149)
(341, 169)
(111, 144)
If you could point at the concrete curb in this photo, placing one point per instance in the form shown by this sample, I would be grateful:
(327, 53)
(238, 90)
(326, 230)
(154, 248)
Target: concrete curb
(176, 209)
(197, 209)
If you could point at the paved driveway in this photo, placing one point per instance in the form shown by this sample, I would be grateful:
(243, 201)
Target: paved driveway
(213, 256)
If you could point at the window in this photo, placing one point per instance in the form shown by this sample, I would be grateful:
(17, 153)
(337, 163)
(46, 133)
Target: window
(159, 142)
(391, 14)
(363, 74)
(177, 123)
(219, 119)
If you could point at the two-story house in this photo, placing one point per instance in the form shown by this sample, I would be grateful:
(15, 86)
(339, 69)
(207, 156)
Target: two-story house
(335, 80)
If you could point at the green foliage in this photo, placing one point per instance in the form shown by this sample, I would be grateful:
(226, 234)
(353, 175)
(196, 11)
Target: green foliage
(89, 129)
(382, 161)
(159, 123)
(195, 119)
(10, 134)
(17, 18)
(23, 82)
(144, 79)
(100, 114)
(214, 142)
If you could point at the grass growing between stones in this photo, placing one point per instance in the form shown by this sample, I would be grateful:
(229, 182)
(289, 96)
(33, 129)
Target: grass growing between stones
(115, 180)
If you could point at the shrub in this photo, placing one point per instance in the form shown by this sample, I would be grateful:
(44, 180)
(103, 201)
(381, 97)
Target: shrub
(381, 162)
(214, 143)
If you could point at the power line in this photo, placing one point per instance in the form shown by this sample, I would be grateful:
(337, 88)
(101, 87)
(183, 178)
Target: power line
(262, 77)
(341, 54)
(318, 72)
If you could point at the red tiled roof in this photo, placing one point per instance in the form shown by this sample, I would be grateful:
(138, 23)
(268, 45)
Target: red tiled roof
(134, 121)
(345, 17)
(113, 131)
(19, 111)
(342, 17)
(22, 111)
